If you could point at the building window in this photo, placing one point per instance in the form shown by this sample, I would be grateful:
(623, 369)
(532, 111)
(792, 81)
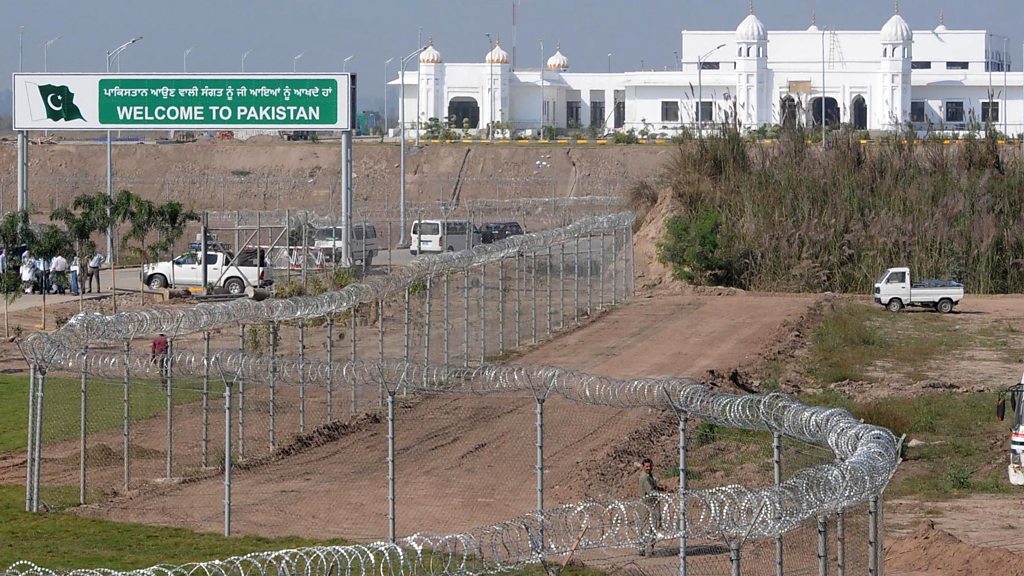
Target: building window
(955, 111)
(990, 111)
(917, 111)
(709, 65)
(572, 114)
(597, 114)
(669, 111)
(706, 112)
(956, 65)
(920, 65)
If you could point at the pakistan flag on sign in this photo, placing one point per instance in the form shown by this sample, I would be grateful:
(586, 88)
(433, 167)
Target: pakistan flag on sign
(60, 103)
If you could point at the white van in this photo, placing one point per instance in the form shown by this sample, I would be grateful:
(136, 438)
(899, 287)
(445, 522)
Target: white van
(363, 242)
(426, 236)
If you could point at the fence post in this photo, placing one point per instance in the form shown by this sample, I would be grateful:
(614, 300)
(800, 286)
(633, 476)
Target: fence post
(632, 263)
(302, 375)
(465, 317)
(206, 399)
(164, 369)
(30, 451)
(37, 463)
(873, 536)
(561, 286)
(540, 469)
(576, 282)
(590, 276)
(273, 386)
(519, 300)
(447, 316)
(408, 319)
(352, 318)
(547, 280)
(426, 330)
(777, 466)
(380, 329)
(241, 398)
(227, 457)
(683, 421)
(483, 314)
(83, 415)
(391, 464)
(841, 542)
(822, 546)
(615, 266)
(126, 424)
(533, 293)
(600, 296)
(734, 558)
(501, 307)
(330, 370)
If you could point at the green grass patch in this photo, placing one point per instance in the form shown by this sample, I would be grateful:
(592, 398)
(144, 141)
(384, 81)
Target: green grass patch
(62, 398)
(860, 342)
(65, 542)
(964, 447)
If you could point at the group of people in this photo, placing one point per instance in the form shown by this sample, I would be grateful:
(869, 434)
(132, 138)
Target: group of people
(56, 275)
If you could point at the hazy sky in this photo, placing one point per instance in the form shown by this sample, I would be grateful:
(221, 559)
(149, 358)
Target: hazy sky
(330, 30)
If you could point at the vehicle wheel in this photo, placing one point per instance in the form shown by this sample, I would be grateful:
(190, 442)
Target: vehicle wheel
(368, 260)
(234, 286)
(156, 282)
(451, 249)
(894, 305)
(945, 306)
(414, 253)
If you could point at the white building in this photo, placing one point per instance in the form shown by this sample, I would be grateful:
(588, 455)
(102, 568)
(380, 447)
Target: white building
(874, 80)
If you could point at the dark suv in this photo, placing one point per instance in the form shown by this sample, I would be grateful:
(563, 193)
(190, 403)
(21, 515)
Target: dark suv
(494, 231)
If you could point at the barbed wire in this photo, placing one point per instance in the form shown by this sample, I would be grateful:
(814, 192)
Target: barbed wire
(86, 328)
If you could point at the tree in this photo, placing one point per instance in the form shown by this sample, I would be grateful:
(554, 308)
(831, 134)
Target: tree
(80, 227)
(49, 243)
(14, 231)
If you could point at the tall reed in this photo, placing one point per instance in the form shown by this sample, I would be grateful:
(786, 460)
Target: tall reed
(796, 217)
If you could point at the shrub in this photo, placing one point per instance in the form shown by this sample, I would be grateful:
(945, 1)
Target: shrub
(691, 246)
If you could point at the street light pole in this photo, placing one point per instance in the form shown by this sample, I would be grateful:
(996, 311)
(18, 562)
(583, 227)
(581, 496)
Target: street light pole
(244, 56)
(184, 58)
(344, 63)
(386, 62)
(823, 122)
(700, 90)
(295, 61)
(542, 103)
(609, 62)
(46, 47)
(111, 55)
(403, 241)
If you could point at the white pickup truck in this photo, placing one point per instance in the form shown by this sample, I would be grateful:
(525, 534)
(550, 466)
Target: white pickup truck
(222, 270)
(894, 290)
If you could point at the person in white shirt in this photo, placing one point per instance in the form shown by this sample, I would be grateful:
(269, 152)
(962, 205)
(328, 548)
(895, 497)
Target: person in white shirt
(58, 273)
(3, 261)
(94, 271)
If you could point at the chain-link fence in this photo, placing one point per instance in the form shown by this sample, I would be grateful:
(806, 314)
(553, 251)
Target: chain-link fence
(378, 411)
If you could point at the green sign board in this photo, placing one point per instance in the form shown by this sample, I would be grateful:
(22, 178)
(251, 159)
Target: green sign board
(179, 101)
(269, 102)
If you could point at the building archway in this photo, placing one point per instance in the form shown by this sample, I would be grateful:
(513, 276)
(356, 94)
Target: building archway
(859, 107)
(831, 111)
(787, 112)
(462, 108)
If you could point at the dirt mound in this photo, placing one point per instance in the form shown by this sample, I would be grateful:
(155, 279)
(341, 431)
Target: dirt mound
(937, 552)
(651, 273)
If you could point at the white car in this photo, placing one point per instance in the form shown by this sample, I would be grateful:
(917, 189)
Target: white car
(223, 270)
(895, 290)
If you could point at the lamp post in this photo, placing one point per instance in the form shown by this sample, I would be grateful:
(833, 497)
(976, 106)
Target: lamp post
(823, 120)
(386, 62)
(542, 103)
(675, 62)
(1002, 112)
(988, 67)
(21, 42)
(700, 89)
(403, 241)
(111, 55)
(46, 47)
(295, 61)
(244, 56)
(184, 58)
(490, 87)
(344, 64)
(609, 62)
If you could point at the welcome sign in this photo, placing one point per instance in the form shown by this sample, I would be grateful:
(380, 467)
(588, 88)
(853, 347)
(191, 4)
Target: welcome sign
(182, 101)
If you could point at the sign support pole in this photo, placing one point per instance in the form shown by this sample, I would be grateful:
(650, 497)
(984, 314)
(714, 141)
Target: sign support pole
(22, 170)
(346, 198)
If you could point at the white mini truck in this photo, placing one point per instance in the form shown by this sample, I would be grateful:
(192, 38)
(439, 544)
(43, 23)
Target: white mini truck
(894, 290)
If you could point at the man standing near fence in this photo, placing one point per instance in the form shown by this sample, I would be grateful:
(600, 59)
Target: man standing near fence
(94, 271)
(650, 515)
(158, 354)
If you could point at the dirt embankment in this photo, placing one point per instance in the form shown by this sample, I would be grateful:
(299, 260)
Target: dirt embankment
(264, 174)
